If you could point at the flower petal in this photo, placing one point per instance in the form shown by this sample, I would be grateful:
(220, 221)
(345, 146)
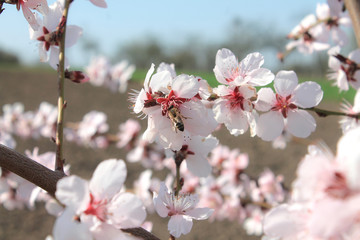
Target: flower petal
(126, 211)
(200, 213)
(185, 86)
(179, 224)
(285, 82)
(108, 179)
(300, 123)
(308, 94)
(73, 191)
(270, 125)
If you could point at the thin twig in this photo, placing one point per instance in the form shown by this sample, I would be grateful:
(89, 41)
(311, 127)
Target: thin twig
(59, 164)
(325, 113)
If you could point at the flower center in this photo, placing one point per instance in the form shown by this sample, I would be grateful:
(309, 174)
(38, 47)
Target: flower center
(283, 104)
(237, 100)
(170, 100)
(96, 208)
(338, 187)
(49, 38)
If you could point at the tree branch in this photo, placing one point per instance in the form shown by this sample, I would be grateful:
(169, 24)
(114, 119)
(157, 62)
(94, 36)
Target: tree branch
(29, 169)
(353, 6)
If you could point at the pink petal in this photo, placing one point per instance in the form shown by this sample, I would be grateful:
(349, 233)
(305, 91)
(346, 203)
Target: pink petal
(179, 224)
(282, 221)
(285, 82)
(108, 179)
(300, 123)
(270, 125)
(308, 94)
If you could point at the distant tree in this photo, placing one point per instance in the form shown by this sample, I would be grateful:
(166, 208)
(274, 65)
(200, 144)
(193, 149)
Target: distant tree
(9, 58)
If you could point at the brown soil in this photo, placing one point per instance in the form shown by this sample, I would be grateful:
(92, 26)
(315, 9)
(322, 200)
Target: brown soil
(31, 88)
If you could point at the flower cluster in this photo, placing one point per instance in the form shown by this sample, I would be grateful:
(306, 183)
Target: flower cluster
(324, 202)
(115, 77)
(313, 32)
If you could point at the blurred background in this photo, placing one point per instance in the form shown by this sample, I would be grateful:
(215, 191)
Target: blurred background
(187, 33)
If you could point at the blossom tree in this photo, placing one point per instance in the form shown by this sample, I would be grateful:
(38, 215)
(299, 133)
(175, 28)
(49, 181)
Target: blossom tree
(205, 179)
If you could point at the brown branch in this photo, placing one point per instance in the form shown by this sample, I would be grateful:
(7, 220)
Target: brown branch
(353, 6)
(29, 169)
(140, 232)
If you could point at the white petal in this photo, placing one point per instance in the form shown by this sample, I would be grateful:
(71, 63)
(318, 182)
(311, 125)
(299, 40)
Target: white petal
(198, 120)
(179, 224)
(185, 86)
(198, 165)
(160, 207)
(281, 221)
(265, 100)
(160, 82)
(127, 211)
(109, 232)
(260, 77)
(73, 192)
(73, 33)
(99, 3)
(300, 123)
(237, 122)
(225, 64)
(200, 213)
(308, 94)
(148, 76)
(285, 82)
(108, 179)
(349, 156)
(270, 125)
(66, 228)
(252, 62)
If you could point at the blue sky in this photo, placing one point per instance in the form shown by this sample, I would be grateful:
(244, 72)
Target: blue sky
(170, 21)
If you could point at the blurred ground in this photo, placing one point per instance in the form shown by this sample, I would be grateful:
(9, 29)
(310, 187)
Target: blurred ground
(31, 88)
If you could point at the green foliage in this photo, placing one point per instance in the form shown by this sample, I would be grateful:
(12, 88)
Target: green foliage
(8, 58)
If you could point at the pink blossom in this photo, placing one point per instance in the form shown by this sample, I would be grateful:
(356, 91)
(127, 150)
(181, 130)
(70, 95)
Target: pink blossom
(285, 107)
(308, 37)
(97, 209)
(169, 103)
(98, 71)
(333, 17)
(234, 107)
(128, 132)
(181, 209)
(121, 74)
(93, 123)
(47, 35)
(45, 120)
